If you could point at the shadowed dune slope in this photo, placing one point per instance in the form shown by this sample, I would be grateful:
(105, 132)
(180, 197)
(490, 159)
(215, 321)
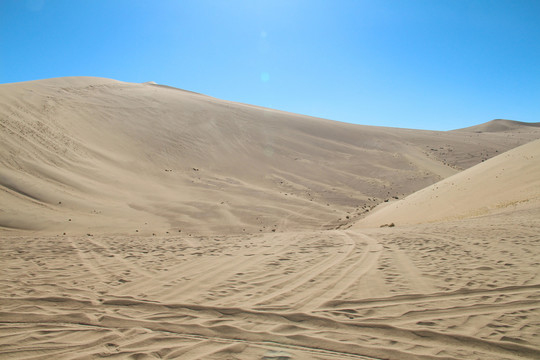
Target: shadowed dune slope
(502, 183)
(87, 154)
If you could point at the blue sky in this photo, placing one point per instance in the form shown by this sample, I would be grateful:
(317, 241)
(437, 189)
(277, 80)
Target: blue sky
(433, 64)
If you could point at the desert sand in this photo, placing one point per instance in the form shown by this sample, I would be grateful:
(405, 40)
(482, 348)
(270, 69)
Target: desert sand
(143, 221)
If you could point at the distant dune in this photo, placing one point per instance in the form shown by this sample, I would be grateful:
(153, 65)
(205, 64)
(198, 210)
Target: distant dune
(501, 125)
(140, 221)
(86, 154)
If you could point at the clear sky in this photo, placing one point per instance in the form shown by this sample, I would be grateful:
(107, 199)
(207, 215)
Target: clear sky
(428, 64)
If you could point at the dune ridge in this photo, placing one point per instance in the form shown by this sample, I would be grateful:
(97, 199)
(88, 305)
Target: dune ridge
(499, 125)
(139, 221)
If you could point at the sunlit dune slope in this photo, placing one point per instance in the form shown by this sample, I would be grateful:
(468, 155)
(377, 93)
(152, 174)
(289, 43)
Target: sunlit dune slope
(502, 183)
(84, 154)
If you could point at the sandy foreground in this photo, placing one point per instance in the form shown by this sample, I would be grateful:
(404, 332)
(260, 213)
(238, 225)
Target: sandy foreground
(143, 236)
(455, 290)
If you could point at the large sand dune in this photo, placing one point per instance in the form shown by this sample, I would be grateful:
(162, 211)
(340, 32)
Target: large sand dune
(121, 157)
(145, 222)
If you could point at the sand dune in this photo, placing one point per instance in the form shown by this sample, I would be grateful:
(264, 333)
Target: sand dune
(121, 157)
(502, 183)
(141, 221)
(502, 125)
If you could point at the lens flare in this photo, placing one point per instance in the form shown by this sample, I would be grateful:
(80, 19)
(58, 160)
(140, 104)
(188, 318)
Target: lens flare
(265, 77)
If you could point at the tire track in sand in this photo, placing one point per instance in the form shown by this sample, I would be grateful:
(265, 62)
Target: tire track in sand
(331, 281)
(290, 287)
(313, 333)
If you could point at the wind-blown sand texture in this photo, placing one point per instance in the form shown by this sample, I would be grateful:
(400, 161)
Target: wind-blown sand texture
(142, 221)
(505, 181)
